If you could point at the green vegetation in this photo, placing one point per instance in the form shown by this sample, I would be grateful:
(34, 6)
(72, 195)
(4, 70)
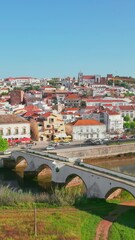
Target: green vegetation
(128, 124)
(3, 144)
(124, 228)
(63, 215)
(54, 82)
(82, 104)
(31, 87)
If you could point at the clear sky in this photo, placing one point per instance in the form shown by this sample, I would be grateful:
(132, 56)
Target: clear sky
(59, 38)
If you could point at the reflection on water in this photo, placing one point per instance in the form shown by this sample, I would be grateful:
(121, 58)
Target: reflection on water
(15, 180)
(121, 164)
(129, 170)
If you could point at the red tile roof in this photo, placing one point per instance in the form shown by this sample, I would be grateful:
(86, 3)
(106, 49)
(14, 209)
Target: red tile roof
(31, 108)
(47, 114)
(88, 77)
(112, 112)
(72, 96)
(100, 100)
(87, 122)
(71, 109)
(127, 108)
(12, 118)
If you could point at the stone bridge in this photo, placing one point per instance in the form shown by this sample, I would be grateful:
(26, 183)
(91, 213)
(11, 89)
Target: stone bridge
(98, 182)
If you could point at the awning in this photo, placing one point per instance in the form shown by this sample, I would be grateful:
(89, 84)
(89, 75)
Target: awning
(60, 135)
(25, 140)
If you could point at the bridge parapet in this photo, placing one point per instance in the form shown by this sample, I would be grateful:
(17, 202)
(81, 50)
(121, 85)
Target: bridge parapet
(49, 155)
(109, 172)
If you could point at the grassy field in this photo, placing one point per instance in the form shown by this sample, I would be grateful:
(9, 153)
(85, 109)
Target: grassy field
(124, 228)
(25, 217)
(66, 223)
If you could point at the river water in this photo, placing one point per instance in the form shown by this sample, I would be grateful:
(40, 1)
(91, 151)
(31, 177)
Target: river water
(122, 164)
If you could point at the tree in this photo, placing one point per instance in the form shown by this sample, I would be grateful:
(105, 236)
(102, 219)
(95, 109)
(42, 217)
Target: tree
(82, 104)
(132, 124)
(126, 125)
(3, 144)
(127, 118)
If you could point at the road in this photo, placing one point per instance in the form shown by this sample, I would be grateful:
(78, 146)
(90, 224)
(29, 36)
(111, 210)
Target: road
(76, 144)
(42, 146)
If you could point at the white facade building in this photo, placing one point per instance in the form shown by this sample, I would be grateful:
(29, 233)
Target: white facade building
(14, 127)
(114, 122)
(88, 128)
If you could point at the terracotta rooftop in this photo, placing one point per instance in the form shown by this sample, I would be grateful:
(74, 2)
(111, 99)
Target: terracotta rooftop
(11, 118)
(72, 96)
(84, 122)
(100, 100)
(127, 108)
(31, 108)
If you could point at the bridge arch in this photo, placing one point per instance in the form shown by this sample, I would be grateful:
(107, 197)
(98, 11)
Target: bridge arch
(74, 180)
(115, 191)
(44, 169)
(21, 162)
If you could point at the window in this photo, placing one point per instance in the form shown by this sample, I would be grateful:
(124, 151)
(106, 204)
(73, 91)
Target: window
(8, 131)
(1, 132)
(16, 131)
(48, 126)
(24, 130)
(51, 120)
(81, 130)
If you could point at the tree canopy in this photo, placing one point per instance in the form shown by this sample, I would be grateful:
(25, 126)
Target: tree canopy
(83, 104)
(3, 144)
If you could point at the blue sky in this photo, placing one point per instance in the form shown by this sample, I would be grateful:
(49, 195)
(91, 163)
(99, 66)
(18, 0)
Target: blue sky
(59, 38)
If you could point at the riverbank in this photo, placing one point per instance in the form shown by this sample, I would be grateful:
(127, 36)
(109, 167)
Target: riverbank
(113, 162)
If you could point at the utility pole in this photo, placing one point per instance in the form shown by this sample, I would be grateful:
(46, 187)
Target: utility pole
(35, 221)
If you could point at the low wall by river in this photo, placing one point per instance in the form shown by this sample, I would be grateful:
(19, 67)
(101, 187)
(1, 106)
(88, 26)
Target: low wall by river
(97, 151)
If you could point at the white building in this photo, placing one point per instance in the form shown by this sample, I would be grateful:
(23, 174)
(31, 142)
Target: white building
(103, 101)
(14, 127)
(88, 128)
(113, 121)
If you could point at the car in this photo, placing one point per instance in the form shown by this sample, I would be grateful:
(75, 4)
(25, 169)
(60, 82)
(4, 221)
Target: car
(29, 145)
(115, 138)
(123, 137)
(7, 152)
(98, 142)
(50, 147)
(64, 143)
(88, 141)
(133, 137)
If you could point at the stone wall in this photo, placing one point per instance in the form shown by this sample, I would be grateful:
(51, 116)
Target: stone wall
(87, 152)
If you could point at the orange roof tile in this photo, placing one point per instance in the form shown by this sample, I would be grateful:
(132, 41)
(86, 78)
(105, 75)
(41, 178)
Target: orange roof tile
(87, 122)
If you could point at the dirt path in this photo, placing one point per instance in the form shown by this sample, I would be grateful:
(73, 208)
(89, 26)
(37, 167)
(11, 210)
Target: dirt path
(104, 225)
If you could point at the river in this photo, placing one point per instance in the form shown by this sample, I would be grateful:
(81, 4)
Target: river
(121, 163)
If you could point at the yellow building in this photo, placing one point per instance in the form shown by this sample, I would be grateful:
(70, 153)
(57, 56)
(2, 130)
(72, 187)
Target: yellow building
(54, 127)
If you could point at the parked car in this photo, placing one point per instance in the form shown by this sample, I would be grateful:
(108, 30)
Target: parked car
(64, 143)
(29, 145)
(98, 142)
(133, 136)
(93, 142)
(7, 152)
(123, 137)
(88, 141)
(115, 138)
(50, 147)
